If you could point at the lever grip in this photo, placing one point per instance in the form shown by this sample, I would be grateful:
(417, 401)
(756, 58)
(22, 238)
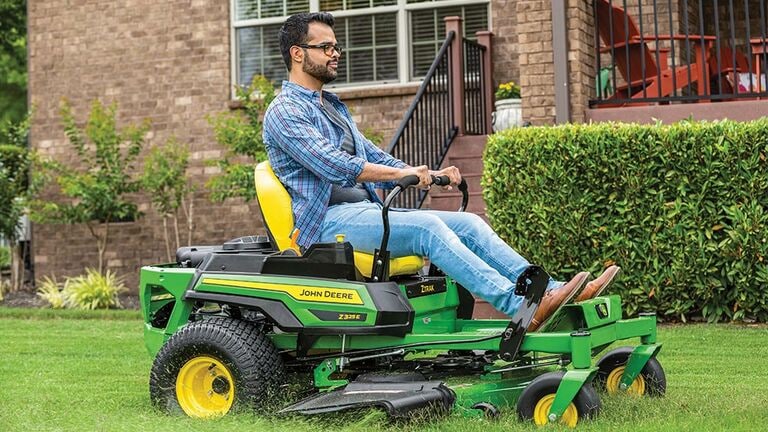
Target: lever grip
(407, 181)
(441, 180)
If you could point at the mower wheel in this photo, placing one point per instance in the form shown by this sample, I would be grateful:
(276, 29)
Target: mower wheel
(652, 381)
(211, 367)
(536, 401)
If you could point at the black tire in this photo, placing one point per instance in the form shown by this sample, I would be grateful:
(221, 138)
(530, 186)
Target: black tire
(542, 389)
(244, 363)
(654, 379)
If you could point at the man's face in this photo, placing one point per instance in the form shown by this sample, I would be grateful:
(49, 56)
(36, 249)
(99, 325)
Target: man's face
(316, 63)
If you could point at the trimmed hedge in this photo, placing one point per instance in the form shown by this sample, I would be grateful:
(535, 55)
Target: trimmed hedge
(681, 208)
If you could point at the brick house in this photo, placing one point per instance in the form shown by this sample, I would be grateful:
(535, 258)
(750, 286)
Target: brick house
(176, 62)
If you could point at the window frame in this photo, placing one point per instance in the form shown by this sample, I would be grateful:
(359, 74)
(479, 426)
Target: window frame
(404, 36)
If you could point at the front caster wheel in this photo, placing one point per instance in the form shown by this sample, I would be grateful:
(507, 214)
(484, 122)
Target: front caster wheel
(651, 382)
(536, 401)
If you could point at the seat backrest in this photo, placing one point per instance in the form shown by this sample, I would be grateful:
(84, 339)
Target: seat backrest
(634, 60)
(275, 204)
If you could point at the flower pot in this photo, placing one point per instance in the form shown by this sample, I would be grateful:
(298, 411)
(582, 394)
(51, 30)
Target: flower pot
(508, 114)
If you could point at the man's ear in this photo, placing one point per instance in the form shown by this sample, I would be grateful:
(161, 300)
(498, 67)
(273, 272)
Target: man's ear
(297, 54)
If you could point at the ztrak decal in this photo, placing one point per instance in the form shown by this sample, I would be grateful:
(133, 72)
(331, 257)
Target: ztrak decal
(432, 286)
(338, 316)
(298, 292)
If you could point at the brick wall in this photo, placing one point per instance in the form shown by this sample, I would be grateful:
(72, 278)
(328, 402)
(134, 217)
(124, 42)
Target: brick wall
(537, 69)
(166, 61)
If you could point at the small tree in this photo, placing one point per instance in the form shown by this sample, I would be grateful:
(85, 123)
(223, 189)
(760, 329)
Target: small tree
(97, 188)
(16, 190)
(165, 179)
(241, 135)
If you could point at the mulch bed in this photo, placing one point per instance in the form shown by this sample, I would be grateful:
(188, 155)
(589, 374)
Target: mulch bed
(28, 299)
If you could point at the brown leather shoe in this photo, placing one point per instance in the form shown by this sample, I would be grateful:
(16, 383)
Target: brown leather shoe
(555, 298)
(599, 284)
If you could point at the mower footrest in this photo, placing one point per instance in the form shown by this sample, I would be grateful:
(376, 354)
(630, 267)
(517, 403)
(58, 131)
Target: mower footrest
(398, 399)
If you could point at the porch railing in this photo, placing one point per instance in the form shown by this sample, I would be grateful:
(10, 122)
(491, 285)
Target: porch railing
(451, 101)
(428, 128)
(679, 52)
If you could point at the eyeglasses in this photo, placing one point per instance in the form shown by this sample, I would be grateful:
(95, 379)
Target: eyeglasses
(327, 48)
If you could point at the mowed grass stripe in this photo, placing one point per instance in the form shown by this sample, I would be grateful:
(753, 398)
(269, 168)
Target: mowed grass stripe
(67, 373)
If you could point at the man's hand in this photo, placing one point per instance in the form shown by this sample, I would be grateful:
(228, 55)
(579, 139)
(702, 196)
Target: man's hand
(422, 172)
(452, 172)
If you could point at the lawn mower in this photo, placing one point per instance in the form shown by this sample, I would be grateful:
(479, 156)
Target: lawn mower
(227, 324)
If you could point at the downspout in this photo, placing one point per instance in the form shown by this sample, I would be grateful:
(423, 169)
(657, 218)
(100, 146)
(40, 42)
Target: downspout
(560, 53)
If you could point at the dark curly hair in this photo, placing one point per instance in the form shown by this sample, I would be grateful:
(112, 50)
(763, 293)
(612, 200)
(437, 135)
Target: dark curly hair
(294, 31)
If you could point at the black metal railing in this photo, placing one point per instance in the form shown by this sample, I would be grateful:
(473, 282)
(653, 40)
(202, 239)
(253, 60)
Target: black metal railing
(679, 52)
(428, 127)
(474, 85)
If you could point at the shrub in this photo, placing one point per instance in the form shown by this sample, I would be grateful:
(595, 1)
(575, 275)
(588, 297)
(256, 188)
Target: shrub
(5, 257)
(90, 291)
(53, 292)
(94, 290)
(682, 208)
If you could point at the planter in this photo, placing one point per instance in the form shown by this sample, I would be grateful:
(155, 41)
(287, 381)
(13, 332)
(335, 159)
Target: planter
(508, 114)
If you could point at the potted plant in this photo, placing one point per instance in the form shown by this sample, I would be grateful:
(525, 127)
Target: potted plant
(509, 107)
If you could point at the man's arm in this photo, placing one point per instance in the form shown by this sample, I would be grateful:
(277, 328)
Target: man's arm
(379, 173)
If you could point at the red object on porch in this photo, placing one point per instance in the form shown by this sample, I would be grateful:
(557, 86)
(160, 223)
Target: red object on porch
(637, 62)
(726, 76)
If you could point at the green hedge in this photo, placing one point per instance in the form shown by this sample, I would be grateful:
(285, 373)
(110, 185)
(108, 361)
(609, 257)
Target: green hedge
(682, 209)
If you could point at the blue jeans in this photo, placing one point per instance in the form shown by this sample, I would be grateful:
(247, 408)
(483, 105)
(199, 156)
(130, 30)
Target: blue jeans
(461, 244)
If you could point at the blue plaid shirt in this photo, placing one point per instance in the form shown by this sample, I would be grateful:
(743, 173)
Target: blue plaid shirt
(304, 149)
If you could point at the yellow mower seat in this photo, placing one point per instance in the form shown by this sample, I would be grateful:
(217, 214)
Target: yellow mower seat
(275, 206)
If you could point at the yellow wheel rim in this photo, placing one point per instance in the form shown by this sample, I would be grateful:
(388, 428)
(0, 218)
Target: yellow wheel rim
(541, 412)
(205, 387)
(613, 382)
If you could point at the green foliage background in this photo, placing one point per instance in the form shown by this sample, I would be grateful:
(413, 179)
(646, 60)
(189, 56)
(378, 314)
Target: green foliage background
(13, 60)
(682, 208)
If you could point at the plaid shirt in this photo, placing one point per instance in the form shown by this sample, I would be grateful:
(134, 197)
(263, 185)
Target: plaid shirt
(304, 149)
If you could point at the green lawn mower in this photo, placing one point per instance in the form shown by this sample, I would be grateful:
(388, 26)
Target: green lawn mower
(227, 324)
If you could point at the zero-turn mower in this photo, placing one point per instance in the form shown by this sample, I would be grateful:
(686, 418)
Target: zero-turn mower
(227, 323)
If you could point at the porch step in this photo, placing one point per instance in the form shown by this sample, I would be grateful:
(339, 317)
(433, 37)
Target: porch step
(468, 145)
(473, 184)
(466, 164)
(451, 201)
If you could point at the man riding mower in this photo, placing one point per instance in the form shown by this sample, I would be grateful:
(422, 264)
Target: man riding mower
(227, 323)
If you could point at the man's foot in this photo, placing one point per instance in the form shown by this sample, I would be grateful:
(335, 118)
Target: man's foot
(599, 284)
(555, 298)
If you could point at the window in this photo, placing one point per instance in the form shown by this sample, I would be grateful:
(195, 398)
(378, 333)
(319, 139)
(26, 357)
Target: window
(385, 41)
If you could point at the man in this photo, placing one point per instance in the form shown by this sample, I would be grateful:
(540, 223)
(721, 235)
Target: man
(330, 170)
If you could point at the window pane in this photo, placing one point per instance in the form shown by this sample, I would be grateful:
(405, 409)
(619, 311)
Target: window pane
(271, 8)
(428, 32)
(259, 54)
(331, 5)
(360, 31)
(249, 9)
(362, 65)
(335, 5)
(386, 64)
(296, 6)
(370, 48)
(246, 9)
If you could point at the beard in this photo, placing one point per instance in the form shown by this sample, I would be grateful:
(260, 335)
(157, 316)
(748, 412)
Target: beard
(321, 72)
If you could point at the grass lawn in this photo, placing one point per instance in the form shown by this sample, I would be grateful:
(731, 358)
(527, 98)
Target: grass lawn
(88, 371)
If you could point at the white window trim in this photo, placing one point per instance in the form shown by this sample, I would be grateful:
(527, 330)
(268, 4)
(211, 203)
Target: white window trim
(403, 36)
